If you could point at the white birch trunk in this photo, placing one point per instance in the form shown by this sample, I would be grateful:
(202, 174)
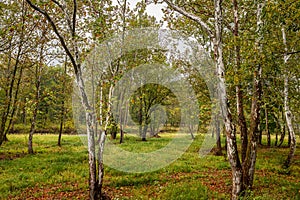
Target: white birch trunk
(101, 107)
(74, 55)
(250, 160)
(90, 123)
(100, 161)
(239, 92)
(287, 111)
(216, 39)
(101, 140)
(232, 152)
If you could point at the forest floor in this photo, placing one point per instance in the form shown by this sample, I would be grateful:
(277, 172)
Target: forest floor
(62, 172)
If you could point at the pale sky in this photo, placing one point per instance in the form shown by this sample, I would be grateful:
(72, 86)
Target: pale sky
(152, 9)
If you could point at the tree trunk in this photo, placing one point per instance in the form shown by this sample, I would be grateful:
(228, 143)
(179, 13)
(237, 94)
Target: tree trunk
(33, 121)
(62, 119)
(122, 114)
(62, 114)
(250, 160)
(242, 122)
(74, 55)
(121, 135)
(260, 137)
(191, 131)
(232, 152)
(101, 143)
(239, 92)
(144, 132)
(278, 129)
(94, 191)
(32, 130)
(38, 77)
(225, 145)
(267, 127)
(218, 135)
(287, 111)
(282, 129)
(282, 136)
(12, 96)
(101, 107)
(90, 123)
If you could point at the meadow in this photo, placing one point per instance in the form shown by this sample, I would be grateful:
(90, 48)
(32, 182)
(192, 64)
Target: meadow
(62, 172)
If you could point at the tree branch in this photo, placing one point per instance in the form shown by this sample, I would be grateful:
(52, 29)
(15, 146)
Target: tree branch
(67, 17)
(74, 17)
(192, 17)
(61, 39)
(295, 52)
(58, 4)
(4, 47)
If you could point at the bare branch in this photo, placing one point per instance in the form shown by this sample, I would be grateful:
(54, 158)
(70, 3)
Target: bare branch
(54, 27)
(295, 52)
(74, 17)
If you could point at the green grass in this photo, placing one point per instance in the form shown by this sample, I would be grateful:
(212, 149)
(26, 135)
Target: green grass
(49, 165)
(133, 143)
(64, 170)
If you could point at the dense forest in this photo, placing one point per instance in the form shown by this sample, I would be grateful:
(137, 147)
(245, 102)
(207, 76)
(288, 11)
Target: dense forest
(48, 83)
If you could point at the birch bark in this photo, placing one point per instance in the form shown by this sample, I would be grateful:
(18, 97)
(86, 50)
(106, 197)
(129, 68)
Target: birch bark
(73, 53)
(287, 111)
(216, 39)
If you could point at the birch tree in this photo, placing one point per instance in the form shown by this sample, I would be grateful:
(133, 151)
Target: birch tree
(215, 37)
(250, 160)
(242, 171)
(38, 68)
(287, 111)
(40, 58)
(68, 14)
(239, 91)
(283, 18)
(63, 102)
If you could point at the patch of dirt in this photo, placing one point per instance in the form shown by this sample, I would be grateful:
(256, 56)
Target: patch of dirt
(68, 191)
(118, 193)
(57, 191)
(218, 180)
(11, 156)
(214, 179)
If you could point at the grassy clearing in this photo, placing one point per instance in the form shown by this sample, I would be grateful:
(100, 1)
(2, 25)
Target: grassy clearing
(62, 173)
(50, 165)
